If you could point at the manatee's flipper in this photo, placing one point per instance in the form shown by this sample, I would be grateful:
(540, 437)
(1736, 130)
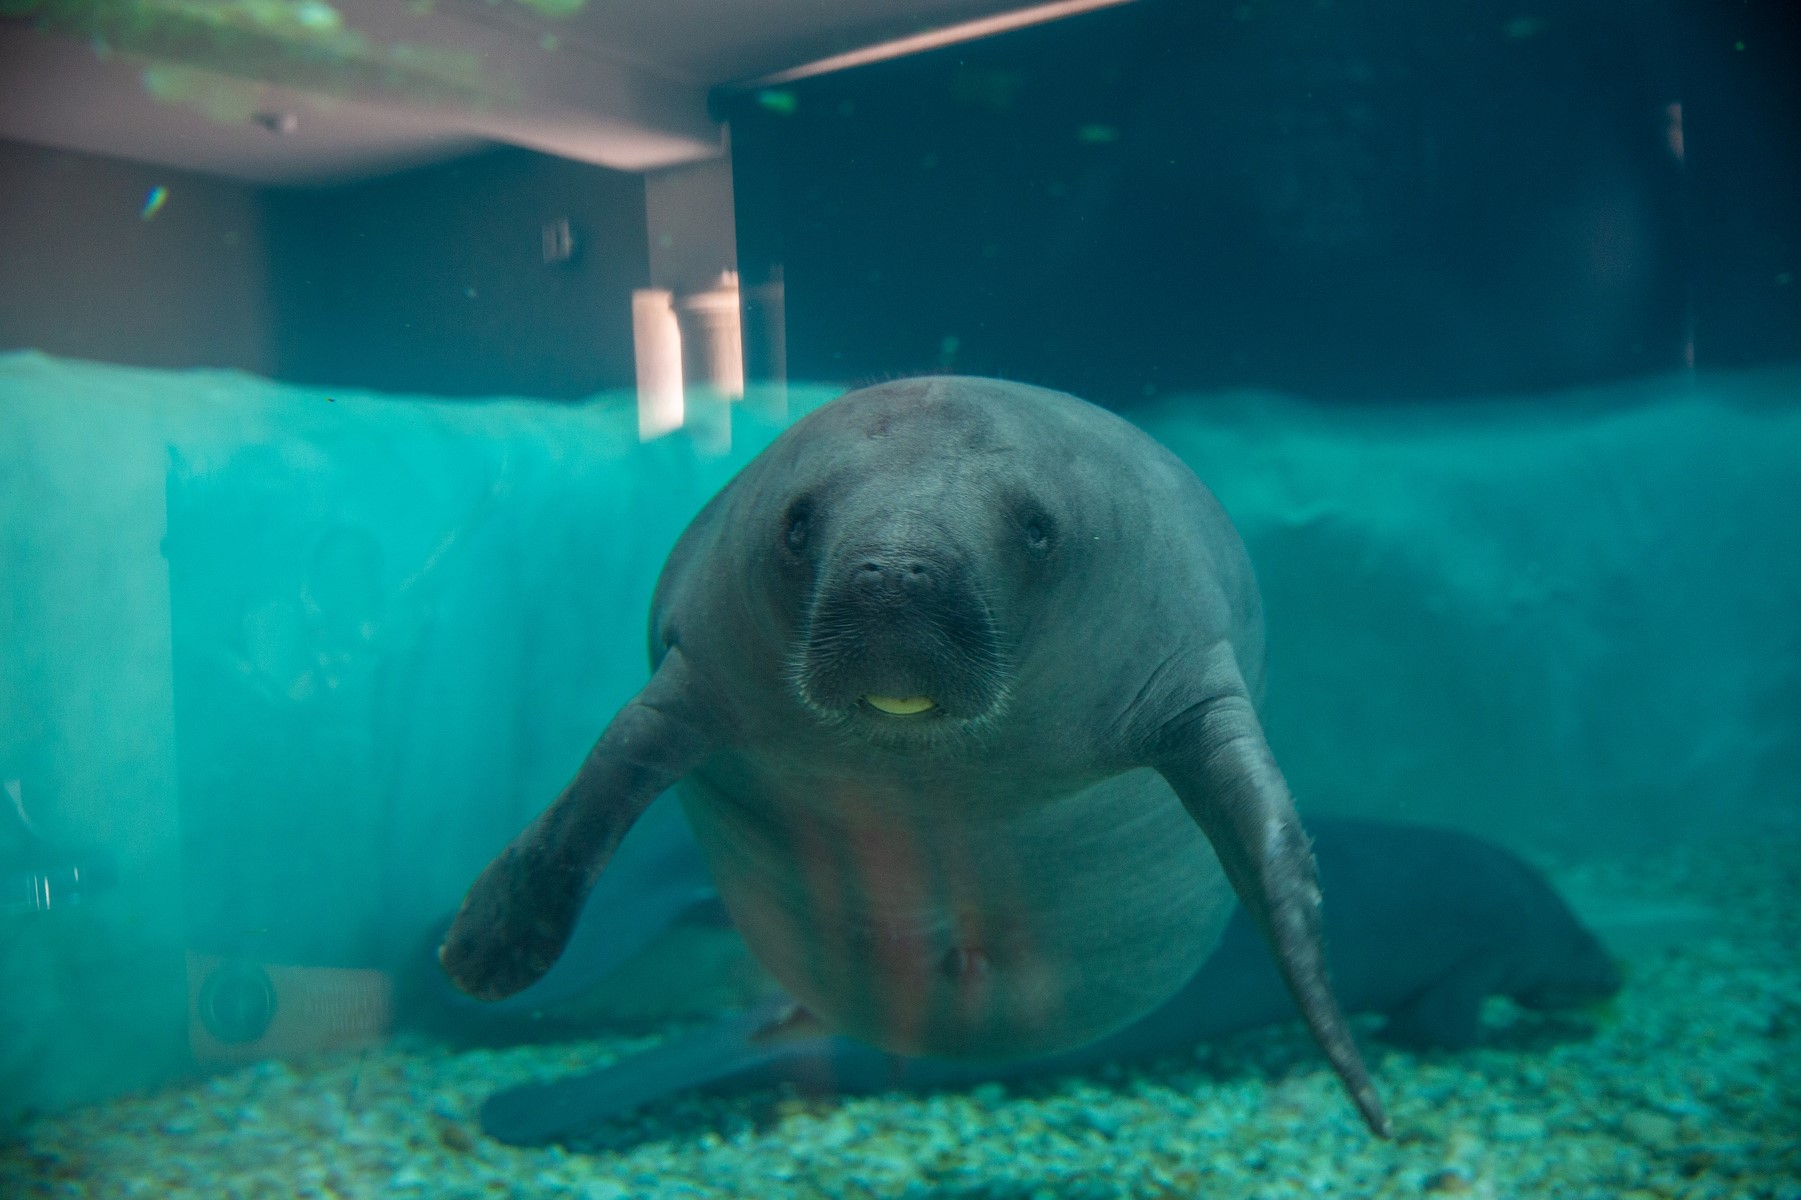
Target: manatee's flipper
(776, 1042)
(1447, 1013)
(1216, 759)
(519, 912)
(654, 882)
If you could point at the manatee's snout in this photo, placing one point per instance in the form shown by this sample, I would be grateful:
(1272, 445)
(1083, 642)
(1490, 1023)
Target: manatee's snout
(900, 633)
(894, 581)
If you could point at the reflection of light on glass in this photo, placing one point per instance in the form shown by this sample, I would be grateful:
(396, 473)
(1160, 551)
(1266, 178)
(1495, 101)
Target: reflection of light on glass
(657, 348)
(766, 334)
(1673, 137)
(710, 332)
(933, 39)
(712, 361)
(690, 361)
(153, 203)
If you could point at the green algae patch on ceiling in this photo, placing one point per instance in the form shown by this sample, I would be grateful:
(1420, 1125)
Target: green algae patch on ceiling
(554, 9)
(303, 44)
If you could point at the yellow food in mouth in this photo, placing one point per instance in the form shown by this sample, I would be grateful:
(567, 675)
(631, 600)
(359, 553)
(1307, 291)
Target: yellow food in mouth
(899, 706)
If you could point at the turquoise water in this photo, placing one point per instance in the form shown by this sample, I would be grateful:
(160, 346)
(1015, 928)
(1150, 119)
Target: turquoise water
(294, 663)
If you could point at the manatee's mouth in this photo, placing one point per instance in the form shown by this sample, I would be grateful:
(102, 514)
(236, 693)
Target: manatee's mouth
(901, 706)
(900, 666)
(905, 679)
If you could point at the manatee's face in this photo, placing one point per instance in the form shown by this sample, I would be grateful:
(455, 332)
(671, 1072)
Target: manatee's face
(912, 551)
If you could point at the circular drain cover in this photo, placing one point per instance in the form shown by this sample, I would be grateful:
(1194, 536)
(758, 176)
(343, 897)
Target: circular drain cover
(237, 1003)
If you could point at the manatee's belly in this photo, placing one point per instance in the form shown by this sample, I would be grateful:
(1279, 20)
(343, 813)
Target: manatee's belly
(927, 924)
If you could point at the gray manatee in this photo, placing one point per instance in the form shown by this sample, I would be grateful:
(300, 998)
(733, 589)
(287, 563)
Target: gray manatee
(958, 681)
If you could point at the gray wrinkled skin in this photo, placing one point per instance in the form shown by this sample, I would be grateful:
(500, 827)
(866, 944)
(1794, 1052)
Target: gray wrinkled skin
(1023, 866)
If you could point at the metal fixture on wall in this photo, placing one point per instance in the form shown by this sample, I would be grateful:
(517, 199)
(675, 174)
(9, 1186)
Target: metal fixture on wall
(558, 240)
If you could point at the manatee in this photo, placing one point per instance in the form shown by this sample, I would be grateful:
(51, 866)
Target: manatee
(958, 679)
(1423, 926)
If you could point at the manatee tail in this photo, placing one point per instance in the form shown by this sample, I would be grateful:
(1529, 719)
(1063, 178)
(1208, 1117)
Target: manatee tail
(723, 1057)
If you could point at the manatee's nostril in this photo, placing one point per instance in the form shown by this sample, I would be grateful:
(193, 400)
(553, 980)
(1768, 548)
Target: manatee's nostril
(894, 579)
(879, 582)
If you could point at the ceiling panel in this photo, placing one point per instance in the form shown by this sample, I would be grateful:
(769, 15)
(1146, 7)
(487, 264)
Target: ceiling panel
(315, 91)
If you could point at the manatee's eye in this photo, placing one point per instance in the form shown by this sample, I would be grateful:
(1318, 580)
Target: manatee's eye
(797, 525)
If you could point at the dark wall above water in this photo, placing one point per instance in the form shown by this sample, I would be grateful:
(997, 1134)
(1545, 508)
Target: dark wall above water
(1742, 97)
(94, 263)
(1370, 201)
(505, 273)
